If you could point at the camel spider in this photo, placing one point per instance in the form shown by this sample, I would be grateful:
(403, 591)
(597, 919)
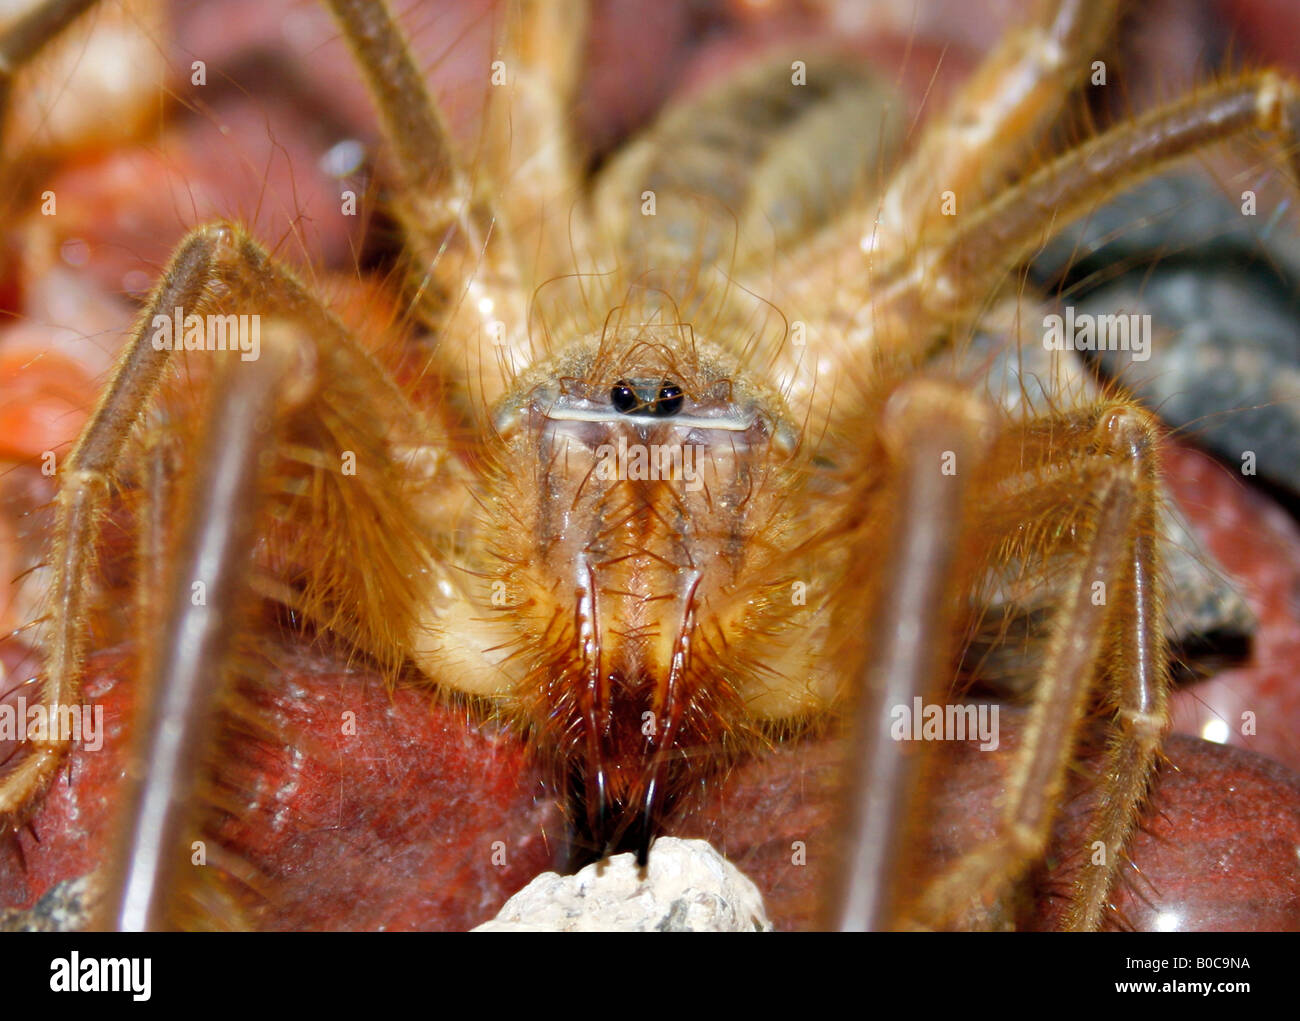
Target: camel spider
(677, 466)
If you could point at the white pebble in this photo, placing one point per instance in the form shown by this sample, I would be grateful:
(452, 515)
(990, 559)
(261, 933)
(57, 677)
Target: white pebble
(686, 887)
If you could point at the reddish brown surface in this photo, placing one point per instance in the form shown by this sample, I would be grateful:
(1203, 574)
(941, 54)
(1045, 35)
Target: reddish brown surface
(1266, 28)
(1216, 850)
(419, 820)
(397, 826)
(391, 827)
(394, 827)
(1259, 545)
(45, 396)
(126, 210)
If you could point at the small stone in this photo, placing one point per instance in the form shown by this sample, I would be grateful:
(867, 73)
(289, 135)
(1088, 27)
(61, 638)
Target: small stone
(687, 886)
(65, 907)
(1220, 291)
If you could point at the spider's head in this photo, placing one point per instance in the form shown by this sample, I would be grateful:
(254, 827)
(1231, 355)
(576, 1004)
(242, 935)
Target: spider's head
(641, 517)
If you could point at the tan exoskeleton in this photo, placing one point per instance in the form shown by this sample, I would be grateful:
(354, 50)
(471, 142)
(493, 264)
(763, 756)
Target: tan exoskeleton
(674, 472)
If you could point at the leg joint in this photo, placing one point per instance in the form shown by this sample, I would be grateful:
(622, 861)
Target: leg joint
(1128, 431)
(1146, 726)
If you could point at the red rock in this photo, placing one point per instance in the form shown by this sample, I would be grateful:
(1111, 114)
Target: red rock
(419, 820)
(1259, 546)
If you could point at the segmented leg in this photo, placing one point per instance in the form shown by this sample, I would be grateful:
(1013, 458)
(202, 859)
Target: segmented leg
(532, 158)
(464, 277)
(1106, 638)
(1139, 681)
(333, 483)
(452, 236)
(912, 636)
(184, 673)
(995, 118)
(952, 282)
(81, 501)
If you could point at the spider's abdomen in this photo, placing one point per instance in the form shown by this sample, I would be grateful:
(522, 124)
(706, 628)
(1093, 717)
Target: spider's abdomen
(751, 164)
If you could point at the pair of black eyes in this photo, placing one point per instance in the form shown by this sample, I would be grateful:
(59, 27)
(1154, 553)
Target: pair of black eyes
(627, 401)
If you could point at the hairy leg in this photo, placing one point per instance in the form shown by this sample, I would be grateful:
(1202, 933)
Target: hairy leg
(329, 481)
(1105, 642)
(183, 675)
(911, 636)
(532, 157)
(465, 281)
(998, 114)
(950, 283)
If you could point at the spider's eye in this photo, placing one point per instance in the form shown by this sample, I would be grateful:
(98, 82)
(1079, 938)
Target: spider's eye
(669, 401)
(643, 399)
(624, 398)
